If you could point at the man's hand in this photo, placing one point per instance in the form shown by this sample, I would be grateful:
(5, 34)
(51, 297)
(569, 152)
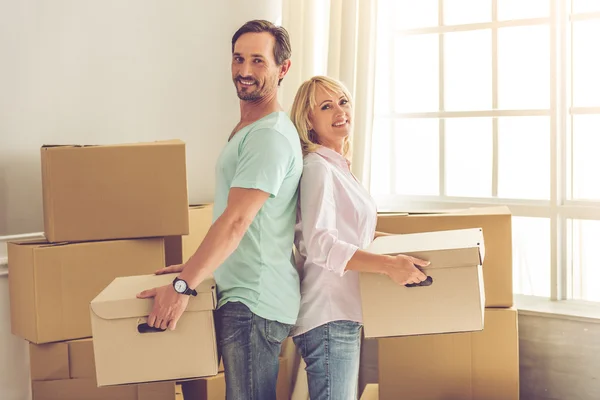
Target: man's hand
(168, 306)
(405, 271)
(170, 269)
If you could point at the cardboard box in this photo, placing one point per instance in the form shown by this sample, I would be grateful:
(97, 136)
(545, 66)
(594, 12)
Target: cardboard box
(453, 302)
(79, 389)
(371, 392)
(210, 388)
(113, 192)
(497, 233)
(466, 366)
(126, 353)
(178, 249)
(62, 360)
(51, 285)
(284, 380)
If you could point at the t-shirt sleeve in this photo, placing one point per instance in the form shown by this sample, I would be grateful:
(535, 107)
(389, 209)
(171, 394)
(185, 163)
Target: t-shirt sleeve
(265, 158)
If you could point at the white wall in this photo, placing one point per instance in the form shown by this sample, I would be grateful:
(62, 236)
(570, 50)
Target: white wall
(109, 71)
(112, 71)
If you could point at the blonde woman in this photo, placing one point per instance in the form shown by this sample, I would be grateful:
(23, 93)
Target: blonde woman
(336, 219)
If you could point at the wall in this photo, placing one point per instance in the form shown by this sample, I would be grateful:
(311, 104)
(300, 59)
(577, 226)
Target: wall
(95, 72)
(559, 359)
(111, 71)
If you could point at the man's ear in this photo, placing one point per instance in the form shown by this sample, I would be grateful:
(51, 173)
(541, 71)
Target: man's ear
(285, 67)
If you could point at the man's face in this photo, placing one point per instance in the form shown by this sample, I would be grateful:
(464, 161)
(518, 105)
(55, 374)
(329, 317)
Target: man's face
(253, 68)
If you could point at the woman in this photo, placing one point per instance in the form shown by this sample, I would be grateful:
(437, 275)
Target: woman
(336, 219)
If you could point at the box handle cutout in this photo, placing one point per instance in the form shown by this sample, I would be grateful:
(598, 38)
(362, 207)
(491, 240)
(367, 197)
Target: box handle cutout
(145, 328)
(426, 282)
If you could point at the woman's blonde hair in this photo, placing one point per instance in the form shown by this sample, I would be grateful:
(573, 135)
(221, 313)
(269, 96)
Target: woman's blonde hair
(305, 101)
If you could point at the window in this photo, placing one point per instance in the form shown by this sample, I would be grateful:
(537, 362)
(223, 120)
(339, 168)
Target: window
(481, 102)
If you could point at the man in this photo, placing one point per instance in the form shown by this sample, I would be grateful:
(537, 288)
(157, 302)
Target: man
(251, 240)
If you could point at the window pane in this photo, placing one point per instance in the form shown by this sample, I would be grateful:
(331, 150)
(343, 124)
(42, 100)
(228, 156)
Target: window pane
(417, 73)
(520, 9)
(586, 63)
(469, 157)
(458, 12)
(417, 156)
(584, 253)
(380, 156)
(383, 67)
(468, 85)
(524, 67)
(411, 14)
(531, 256)
(586, 159)
(582, 6)
(524, 157)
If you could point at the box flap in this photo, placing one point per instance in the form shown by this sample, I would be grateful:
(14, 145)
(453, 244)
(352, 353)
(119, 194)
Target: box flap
(491, 210)
(200, 206)
(437, 245)
(118, 299)
(158, 142)
(31, 242)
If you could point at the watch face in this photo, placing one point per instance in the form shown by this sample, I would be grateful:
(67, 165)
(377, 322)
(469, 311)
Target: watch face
(180, 286)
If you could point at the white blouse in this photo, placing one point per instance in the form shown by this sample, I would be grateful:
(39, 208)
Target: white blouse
(336, 216)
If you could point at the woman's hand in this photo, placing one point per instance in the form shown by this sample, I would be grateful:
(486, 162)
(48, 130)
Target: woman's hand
(403, 270)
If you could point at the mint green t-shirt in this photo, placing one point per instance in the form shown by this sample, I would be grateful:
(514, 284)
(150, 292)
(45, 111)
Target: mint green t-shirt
(260, 273)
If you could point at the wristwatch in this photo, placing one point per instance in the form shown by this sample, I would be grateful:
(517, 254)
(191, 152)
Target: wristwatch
(181, 287)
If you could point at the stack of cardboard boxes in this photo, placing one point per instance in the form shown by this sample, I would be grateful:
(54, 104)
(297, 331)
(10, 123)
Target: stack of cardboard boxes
(113, 215)
(109, 212)
(476, 364)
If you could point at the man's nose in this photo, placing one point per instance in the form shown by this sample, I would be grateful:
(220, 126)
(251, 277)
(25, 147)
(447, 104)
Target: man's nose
(245, 69)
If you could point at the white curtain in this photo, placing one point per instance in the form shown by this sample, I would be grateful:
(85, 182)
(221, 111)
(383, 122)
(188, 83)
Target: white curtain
(334, 38)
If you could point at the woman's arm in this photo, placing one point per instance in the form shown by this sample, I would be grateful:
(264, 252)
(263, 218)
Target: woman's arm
(318, 210)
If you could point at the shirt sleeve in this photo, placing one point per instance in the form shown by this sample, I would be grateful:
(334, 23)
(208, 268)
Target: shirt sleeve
(265, 157)
(318, 211)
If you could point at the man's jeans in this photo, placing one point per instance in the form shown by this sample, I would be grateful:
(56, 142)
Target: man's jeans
(332, 356)
(250, 346)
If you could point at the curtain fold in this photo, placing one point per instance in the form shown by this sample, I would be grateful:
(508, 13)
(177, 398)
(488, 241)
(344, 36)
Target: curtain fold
(336, 38)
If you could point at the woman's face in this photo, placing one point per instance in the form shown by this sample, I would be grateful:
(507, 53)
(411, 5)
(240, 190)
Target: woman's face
(331, 117)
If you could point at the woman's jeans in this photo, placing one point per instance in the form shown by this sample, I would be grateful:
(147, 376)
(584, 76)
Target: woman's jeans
(332, 356)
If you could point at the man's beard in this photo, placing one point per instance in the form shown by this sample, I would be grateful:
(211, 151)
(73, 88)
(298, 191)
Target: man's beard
(256, 94)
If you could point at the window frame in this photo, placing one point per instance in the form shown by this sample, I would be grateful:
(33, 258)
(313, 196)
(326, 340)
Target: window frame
(559, 208)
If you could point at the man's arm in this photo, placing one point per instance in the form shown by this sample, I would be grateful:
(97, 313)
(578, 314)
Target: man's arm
(224, 235)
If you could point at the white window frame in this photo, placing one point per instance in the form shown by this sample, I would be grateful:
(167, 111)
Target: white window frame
(559, 208)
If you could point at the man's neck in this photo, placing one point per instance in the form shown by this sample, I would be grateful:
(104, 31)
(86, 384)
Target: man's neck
(251, 111)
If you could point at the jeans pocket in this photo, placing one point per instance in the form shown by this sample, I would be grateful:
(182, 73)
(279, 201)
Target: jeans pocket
(234, 320)
(276, 332)
(346, 327)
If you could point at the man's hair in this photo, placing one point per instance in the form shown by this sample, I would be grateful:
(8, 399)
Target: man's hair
(282, 50)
